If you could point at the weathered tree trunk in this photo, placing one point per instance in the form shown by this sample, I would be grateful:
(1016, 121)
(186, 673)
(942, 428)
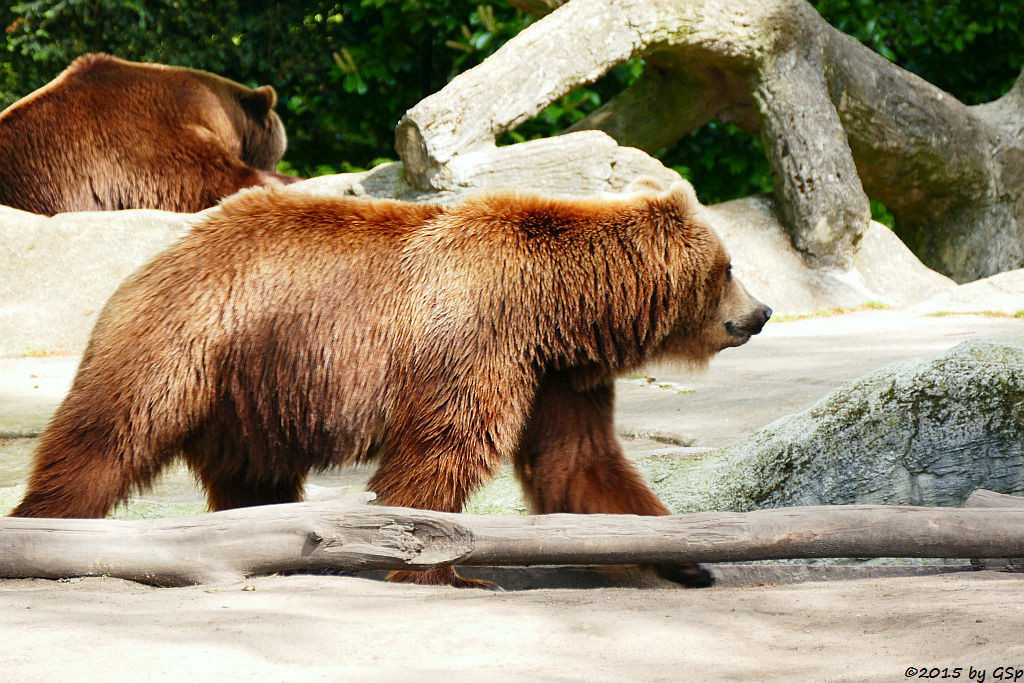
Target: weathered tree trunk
(836, 119)
(990, 499)
(348, 536)
(952, 175)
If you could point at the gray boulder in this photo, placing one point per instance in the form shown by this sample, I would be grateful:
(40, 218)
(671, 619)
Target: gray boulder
(923, 432)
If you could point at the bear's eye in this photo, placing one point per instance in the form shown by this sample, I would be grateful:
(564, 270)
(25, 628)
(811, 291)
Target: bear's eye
(728, 273)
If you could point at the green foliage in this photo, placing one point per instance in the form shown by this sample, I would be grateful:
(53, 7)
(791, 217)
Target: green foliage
(973, 50)
(722, 161)
(880, 212)
(346, 71)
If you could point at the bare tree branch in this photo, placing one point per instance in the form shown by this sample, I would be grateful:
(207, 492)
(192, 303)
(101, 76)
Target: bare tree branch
(839, 122)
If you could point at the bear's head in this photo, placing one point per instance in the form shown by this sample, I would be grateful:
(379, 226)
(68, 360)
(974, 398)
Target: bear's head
(713, 310)
(263, 137)
(737, 317)
(244, 115)
(224, 112)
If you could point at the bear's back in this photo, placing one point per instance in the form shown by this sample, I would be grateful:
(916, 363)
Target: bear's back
(110, 134)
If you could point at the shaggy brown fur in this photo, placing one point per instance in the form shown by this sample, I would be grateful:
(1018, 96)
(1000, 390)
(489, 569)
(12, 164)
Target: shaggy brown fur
(290, 333)
(109, 134)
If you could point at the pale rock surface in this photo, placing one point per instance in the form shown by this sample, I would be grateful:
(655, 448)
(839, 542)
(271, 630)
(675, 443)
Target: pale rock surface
(57, 272)
(1002, 293)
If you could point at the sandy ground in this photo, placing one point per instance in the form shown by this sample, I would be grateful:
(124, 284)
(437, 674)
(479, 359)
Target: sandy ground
(757, 625)
(305, 628)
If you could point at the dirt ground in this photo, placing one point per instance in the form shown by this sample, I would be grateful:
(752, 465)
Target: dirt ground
(305, 628)
(776, 623)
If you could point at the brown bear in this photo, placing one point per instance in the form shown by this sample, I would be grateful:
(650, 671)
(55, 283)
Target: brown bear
(289, 333)
(109, 134)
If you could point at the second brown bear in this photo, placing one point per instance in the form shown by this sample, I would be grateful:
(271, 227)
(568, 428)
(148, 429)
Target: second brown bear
(109, 134)
(290, 333)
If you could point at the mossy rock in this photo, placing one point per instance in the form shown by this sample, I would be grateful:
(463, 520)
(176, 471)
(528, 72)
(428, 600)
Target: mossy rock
(923, 432)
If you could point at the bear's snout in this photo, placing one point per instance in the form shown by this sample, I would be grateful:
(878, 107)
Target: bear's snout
(750, 324)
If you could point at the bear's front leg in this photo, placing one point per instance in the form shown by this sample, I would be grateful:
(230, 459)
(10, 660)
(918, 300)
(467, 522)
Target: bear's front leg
(571, 461)
(433, 476)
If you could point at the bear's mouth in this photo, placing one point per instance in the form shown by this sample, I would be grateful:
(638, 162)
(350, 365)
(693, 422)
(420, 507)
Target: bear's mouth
(734, 331)
(737, 336)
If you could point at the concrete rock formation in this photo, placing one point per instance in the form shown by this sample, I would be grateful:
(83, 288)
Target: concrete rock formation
(56, 273)
(924, 432)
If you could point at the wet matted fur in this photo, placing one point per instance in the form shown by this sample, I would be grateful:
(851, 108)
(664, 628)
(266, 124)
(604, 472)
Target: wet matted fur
(289, 333)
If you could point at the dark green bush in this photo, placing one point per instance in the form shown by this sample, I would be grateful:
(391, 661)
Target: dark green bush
(346, 71)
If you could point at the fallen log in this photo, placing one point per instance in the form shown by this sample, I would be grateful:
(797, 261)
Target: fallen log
(981, 498)
(350, 536)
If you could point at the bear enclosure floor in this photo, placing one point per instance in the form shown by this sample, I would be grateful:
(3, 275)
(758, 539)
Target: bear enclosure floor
(304, 628)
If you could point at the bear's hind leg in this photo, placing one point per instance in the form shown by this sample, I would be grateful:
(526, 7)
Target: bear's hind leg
(571, 461)
(83, 468)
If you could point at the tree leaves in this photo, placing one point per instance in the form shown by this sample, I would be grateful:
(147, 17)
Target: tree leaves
(345, 71)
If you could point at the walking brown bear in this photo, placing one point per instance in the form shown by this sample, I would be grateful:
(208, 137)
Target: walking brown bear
(290, 333)
(109, 134)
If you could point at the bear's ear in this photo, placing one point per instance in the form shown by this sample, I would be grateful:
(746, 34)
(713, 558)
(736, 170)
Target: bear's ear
(675, 206)
(682, 194)
(258, 102)
(644, 184)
